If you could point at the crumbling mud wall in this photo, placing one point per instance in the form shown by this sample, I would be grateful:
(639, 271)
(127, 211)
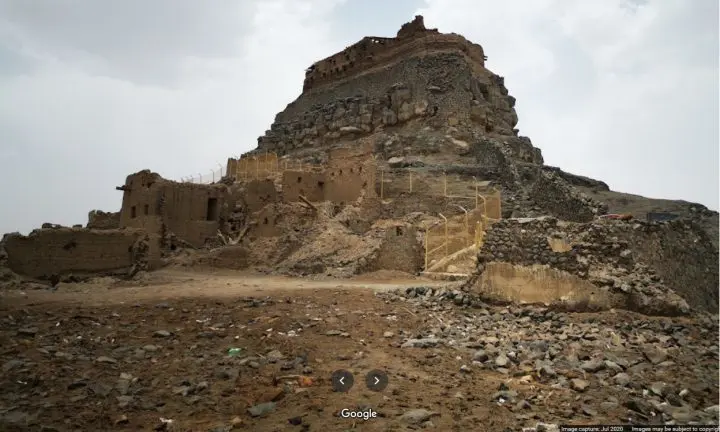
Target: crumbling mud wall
(192, 212)
(79, 251)
(309, 184)
(234, 257)
(400, 249)
(342, 182)
(256, 194)
(98, 219)
(280, 219)
(608, 255)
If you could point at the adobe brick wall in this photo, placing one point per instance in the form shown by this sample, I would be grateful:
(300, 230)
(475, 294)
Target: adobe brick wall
(256, 194)
(341, 182)
(81, 251)
(193, 212)
(400, 249)
(98, 219)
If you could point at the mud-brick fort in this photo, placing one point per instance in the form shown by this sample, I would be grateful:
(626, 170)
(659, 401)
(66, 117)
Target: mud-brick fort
(402, 154)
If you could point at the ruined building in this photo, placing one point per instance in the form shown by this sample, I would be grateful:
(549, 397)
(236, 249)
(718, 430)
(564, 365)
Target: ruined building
(192, 212)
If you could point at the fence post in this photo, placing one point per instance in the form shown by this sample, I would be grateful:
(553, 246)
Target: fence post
(444, 184)
(427, 245)
(382, 183)
(445, 243)
(476, 192)
(467, 225)
(410, 181)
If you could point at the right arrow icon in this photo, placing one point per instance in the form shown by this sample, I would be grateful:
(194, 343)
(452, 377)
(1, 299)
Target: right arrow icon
(376, 380)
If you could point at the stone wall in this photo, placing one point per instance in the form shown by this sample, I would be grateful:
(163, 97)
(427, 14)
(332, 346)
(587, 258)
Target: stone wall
(634, 266)
(684, 256)
(192, 212)
(555, 195)
(98, 219)
(79, 251)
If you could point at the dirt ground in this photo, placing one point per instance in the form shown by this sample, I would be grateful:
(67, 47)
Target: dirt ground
(154, 355)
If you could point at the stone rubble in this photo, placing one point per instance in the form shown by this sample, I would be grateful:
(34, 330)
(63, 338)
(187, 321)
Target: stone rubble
(660, 368)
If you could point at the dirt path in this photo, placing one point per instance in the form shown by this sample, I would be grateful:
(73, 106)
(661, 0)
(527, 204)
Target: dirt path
(177, 284)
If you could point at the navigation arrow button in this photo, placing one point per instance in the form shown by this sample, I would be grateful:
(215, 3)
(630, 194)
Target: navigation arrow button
(376, 380)
(342, 380)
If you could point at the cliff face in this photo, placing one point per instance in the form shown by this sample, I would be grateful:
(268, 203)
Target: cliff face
(383, 83)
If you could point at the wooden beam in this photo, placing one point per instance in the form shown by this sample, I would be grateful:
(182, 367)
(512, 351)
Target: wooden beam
(305, 200)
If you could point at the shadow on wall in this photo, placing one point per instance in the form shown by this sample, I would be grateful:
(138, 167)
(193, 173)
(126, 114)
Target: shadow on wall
(503, 282)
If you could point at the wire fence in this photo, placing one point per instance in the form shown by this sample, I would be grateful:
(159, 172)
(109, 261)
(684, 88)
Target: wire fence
(249, 168)
(208, 177)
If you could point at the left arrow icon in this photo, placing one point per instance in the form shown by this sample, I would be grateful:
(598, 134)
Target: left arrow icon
(342, 380)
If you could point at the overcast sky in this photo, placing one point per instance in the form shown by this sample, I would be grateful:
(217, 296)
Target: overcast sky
(625, 91)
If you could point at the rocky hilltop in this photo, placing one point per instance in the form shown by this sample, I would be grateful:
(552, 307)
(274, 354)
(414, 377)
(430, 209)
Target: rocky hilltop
(425, 99)
(428, 97)
(402, 154)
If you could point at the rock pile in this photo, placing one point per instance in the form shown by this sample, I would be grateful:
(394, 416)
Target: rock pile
(657, 369)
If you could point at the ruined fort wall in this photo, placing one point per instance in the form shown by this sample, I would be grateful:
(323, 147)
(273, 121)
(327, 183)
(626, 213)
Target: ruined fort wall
(373, 53)
(309, 184)
(256, 194)
(683, 255)
(558, 198)
(80, 251)
(399, 250)
(98, 219)
(615, 257)
(441, 87)
(193, 212)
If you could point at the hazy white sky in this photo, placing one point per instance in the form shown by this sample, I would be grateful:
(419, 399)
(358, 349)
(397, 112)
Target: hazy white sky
(625, 91)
